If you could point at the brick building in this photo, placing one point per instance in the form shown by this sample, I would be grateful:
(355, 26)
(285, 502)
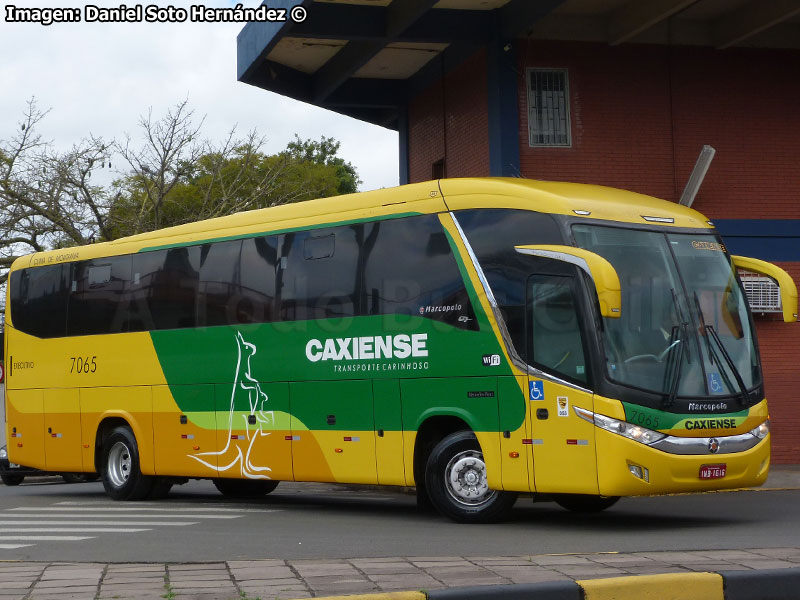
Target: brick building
(623, 93)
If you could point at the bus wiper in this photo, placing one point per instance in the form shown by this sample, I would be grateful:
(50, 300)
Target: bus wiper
(681, 341)
(729, 361)
(676, 377)
(703, 326)
(673, 341)
(710, 334)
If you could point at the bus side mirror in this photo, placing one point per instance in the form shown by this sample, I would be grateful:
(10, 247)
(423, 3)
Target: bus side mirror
(603, 274)
(785, 283)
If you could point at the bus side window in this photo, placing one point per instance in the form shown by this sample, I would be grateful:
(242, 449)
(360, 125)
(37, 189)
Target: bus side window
(164, 289)
(256, 302)
(39, 300)
(319, 278)
(218, 288)
(409, 270)
(556, 342)
(98, 301)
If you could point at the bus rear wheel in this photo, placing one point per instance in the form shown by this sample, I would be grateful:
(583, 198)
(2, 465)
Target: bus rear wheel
(122, 477)
(585, 503)
(457, 483)
(245, 488)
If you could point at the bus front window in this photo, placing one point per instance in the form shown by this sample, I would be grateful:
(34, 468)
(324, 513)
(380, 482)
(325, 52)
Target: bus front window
(684, 328)
(719, 304)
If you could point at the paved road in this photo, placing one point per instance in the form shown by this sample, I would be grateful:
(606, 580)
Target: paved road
(59, 522)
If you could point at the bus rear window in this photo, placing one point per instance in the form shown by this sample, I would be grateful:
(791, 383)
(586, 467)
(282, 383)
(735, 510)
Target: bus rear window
(39, 300)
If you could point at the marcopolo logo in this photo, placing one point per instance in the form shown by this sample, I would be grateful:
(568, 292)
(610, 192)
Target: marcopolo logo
(368, 347)
(427, 310)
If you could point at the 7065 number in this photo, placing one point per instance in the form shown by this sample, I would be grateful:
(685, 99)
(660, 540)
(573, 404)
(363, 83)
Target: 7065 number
(642, 418)
(83, 365)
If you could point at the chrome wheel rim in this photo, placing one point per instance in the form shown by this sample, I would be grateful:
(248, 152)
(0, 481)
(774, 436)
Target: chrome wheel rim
(119, 464)
(465, 479)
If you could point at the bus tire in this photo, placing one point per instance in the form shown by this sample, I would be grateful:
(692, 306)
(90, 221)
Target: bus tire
(12, 479)
(455, 477)
(245, 488)
(122, 477)
(585, 503)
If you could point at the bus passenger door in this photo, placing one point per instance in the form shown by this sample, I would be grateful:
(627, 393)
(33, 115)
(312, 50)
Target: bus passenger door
(333, 431)
(62, 436)
(563, 445)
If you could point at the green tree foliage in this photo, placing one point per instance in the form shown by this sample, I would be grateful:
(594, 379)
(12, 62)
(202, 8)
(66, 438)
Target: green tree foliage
(324, 153)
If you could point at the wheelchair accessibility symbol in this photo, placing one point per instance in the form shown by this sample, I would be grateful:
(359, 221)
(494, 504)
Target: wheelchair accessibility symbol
(715, 383)
(536, 390)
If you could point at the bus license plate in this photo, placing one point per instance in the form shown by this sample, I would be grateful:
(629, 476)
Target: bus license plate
(713, 471)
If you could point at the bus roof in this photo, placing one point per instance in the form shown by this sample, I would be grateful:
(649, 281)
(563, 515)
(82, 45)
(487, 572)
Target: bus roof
(573, 199)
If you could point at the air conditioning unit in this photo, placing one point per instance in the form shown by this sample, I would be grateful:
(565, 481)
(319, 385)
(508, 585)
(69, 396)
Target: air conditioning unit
(763, 294)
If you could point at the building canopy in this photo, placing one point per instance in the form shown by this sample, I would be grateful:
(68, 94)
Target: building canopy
(367, 58)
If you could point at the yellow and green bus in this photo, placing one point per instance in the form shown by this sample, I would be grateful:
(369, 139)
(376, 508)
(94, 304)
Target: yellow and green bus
(476, 338)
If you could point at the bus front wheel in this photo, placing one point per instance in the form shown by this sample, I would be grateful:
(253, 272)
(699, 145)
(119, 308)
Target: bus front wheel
(122, 477)
(457, 483)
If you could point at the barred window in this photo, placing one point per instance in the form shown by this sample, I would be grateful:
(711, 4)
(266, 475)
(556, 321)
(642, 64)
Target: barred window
(548, 107)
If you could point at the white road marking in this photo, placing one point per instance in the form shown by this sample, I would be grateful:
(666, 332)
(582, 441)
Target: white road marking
(71, 518)
(71, 522)
(69, 530)
(158, 507)
(32, 515)
(44, 538)
(133, 509)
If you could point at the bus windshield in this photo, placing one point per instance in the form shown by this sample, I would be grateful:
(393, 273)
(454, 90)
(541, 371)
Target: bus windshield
(685, 329)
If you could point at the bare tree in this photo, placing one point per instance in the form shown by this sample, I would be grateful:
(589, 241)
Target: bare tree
(47, 199)
(177, 178)
(168, 155)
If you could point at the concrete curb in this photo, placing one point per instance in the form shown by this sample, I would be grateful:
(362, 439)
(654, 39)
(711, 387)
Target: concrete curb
(385, 596)
(765, 584)
(670, 586)
(549, 590)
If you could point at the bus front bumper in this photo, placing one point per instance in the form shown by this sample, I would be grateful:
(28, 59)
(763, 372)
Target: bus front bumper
(629, 468)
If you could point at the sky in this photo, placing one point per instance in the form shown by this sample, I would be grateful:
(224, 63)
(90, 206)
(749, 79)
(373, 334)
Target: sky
(99, 78)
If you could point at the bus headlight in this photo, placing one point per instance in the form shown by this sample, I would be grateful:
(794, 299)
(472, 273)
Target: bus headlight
(637, 433)
(3, 452)
(761, 431)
